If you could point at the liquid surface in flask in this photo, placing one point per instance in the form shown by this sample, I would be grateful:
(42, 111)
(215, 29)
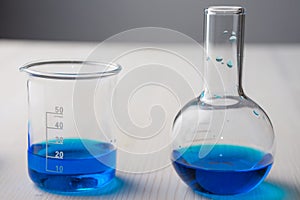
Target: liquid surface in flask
(84, 165)
(226, 169)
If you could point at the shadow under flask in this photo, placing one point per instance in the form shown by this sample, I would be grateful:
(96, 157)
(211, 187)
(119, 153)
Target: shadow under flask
(224, 142)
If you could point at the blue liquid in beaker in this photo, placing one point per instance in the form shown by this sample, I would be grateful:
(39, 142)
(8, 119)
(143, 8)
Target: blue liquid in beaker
(84, 165)
(225, 169)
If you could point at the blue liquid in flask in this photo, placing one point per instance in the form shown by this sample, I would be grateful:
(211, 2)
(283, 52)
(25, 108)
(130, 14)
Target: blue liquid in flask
(224, 170)
(83, 165)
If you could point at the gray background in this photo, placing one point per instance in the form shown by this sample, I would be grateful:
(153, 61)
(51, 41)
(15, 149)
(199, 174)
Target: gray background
(268, 21)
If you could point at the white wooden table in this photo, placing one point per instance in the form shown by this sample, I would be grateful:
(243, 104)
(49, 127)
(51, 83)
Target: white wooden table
(271, 77)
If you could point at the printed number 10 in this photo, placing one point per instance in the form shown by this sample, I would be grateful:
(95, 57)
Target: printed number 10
(59, 168)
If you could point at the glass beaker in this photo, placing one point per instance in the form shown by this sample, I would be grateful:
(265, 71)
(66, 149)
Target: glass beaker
(224, 141)
(68, 150)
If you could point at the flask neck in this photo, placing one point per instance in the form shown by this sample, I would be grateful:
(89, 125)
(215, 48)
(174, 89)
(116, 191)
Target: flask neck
(223, 43)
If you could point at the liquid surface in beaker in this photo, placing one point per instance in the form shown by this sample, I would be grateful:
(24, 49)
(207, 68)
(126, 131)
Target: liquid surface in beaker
(225, 169)
(83, 165)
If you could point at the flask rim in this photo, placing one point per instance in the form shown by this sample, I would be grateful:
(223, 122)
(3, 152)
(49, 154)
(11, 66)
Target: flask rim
(225, 10)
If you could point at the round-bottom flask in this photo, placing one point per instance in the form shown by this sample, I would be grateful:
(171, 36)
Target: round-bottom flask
(224, 142)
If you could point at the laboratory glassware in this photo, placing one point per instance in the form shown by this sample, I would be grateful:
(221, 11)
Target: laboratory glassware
(68, 150)
(224, 142)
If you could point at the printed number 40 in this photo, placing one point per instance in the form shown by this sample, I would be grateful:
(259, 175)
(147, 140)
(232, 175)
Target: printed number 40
(59, 125)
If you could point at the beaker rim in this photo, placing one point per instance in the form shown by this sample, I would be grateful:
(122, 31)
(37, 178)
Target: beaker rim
(225, 10)
(73, 69)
